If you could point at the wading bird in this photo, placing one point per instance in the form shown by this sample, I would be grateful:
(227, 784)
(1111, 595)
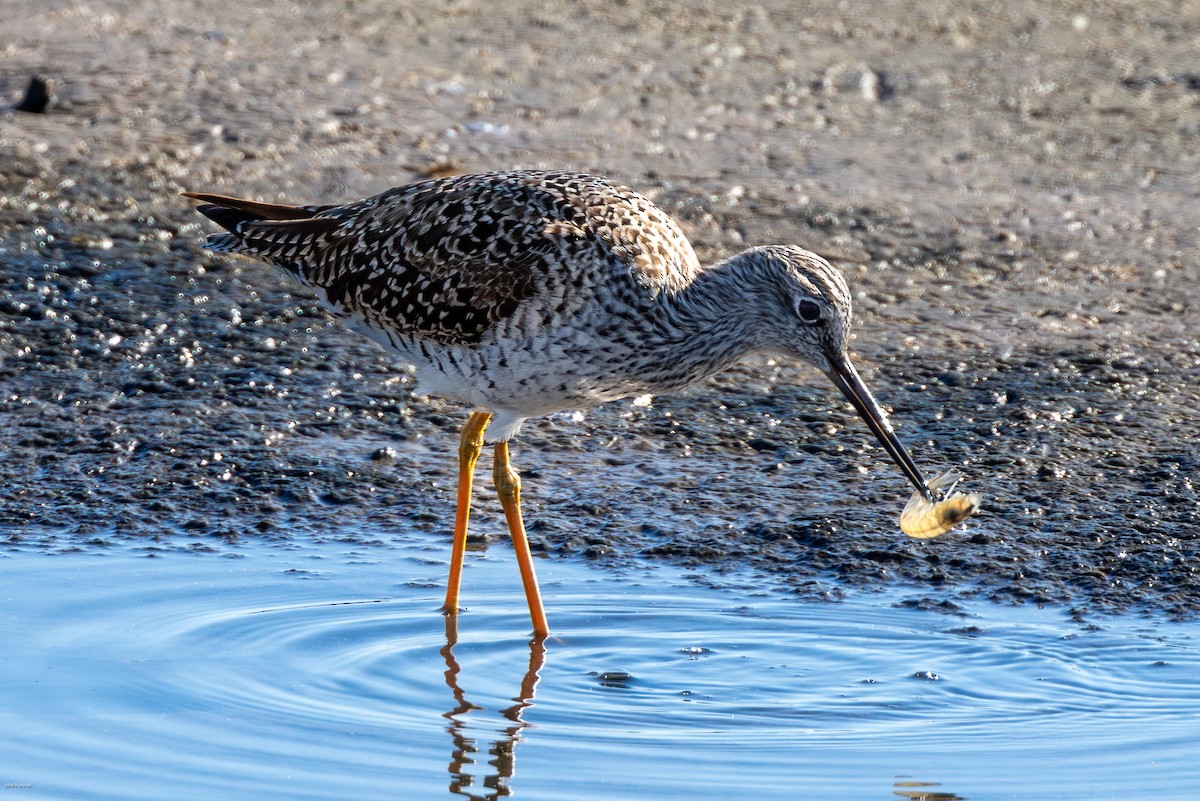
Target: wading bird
(527, 293)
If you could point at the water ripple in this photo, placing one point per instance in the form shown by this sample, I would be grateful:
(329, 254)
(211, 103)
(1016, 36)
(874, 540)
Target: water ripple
(200, 675)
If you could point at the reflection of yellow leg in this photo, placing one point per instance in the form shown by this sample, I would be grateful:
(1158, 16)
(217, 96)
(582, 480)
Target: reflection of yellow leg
(469, 447)
(508, 487)
(465, 732)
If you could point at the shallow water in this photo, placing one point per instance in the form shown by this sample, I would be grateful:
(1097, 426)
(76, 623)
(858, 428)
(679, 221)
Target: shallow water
(323, 671)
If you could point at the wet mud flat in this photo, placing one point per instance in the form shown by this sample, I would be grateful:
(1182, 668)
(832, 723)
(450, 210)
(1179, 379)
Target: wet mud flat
(1011, 193)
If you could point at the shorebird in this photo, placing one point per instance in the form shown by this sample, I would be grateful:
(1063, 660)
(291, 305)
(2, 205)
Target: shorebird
(526, 293)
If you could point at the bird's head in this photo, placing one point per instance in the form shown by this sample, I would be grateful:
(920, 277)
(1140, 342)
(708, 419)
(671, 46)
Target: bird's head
(813, 323)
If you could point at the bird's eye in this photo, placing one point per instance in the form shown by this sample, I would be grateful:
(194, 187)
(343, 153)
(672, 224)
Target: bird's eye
(809, 311)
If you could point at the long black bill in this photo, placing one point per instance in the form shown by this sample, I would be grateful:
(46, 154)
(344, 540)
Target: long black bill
(847, 379)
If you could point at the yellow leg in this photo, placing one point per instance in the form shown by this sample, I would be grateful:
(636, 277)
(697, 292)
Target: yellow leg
(508, 487)
(469, 448)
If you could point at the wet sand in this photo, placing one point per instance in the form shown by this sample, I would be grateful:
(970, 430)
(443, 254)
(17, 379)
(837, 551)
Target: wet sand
(1012, 194)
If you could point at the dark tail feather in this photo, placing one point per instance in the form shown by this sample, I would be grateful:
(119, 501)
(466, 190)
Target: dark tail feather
(222, 210)
(274, 231)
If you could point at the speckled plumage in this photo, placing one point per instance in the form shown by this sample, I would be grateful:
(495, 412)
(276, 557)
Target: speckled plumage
(525, 293)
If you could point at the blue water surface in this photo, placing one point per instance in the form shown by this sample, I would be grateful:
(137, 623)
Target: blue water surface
(324, 671)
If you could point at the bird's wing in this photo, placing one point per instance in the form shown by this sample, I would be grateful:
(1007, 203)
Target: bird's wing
(447, 259)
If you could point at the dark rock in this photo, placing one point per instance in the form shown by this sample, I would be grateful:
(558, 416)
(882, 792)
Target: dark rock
(39, 96)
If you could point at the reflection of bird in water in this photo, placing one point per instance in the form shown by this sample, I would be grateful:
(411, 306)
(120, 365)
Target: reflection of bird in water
(527, 293)
(502, 750)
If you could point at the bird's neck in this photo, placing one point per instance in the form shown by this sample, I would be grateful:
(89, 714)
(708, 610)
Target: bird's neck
(718, 318)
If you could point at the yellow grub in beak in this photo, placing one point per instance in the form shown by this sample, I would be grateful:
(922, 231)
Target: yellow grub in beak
(924, 519)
